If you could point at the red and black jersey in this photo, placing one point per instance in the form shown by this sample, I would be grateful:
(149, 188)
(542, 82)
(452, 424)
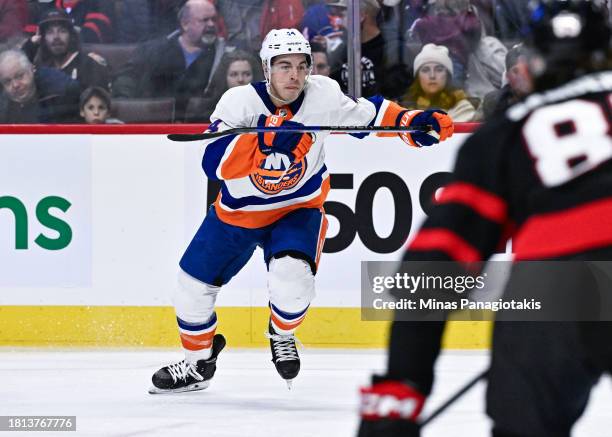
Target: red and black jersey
(541, 174)
(94, 17)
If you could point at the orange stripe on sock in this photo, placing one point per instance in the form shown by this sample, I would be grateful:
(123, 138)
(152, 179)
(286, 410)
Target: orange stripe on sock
(197, 342)
(286, 326)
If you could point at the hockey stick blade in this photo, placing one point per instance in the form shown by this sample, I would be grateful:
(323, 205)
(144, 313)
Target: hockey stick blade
(304, 129)
(481, 376)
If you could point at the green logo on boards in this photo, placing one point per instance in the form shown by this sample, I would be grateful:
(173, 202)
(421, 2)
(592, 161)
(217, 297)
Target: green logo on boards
(44, 217)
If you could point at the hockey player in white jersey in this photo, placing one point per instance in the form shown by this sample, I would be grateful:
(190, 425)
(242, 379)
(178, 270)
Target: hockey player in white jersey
(273, 189)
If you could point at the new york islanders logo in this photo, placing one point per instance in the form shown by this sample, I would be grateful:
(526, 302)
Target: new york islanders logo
(277, 173)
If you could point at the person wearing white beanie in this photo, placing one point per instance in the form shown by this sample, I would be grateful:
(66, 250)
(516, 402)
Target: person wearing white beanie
(433, 71)
(433, 53)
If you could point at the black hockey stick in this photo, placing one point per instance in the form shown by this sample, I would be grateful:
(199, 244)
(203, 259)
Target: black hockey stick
(453, 398)
(305, 129)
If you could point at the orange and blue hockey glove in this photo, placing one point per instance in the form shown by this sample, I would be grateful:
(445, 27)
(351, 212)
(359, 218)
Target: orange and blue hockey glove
(293, 144)
(441, 123)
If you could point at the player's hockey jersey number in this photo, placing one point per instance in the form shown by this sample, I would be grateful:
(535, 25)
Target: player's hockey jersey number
(567, 140)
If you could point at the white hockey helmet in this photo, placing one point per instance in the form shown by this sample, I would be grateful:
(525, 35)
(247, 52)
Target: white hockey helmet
(284, 42)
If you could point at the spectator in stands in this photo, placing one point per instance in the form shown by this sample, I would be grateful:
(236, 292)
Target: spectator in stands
(414, 9)
(486, 13)
(141, 20)
(478, 58)
(320, 62)
(13, 18)
(389, 23)
(372, 50)
(57, 46)
(432, 86)
(397, 78)
(164, 15)
(41, 95)
(236, 68)
(278, 14)
(325, 24)
(512, 17)
(316, 17)
(134, 21)
(242, 20)
(95, 106)
(453, 24)
(517, 84)
(93, 18)
(179, 65)
(486, 66)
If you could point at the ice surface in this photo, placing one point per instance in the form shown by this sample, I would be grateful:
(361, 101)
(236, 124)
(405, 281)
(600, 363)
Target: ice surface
(107, 391)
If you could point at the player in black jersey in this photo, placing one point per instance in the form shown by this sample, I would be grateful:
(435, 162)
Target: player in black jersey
(540, 174)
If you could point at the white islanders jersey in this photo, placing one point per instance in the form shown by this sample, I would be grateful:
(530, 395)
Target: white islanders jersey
(257, 190)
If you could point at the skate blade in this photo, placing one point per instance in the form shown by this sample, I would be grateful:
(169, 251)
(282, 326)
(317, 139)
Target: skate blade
(289, 383)
(193, 387)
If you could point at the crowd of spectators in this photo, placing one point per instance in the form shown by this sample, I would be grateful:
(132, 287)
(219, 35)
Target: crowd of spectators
(79, 60)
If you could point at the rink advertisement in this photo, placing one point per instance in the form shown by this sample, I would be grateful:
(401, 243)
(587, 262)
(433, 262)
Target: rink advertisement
(45, 215)
(93, 226)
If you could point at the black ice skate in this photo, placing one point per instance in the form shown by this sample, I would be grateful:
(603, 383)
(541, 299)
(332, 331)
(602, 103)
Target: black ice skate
(183, 376)
(284, 355)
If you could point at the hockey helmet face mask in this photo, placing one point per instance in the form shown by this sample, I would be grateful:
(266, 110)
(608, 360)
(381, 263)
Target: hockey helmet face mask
(566, 39)
(283, 42)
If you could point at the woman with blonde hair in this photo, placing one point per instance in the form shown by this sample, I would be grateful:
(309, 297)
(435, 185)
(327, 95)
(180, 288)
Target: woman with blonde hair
(432, 88)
